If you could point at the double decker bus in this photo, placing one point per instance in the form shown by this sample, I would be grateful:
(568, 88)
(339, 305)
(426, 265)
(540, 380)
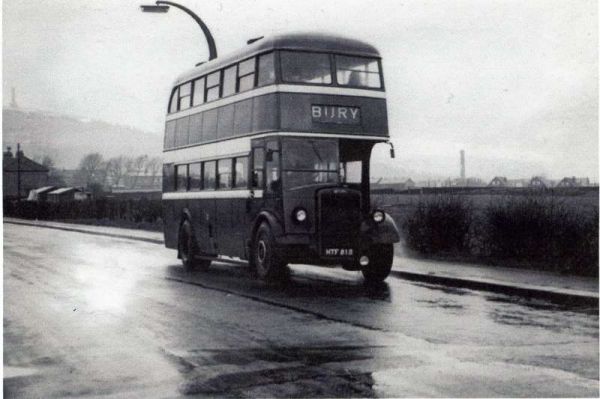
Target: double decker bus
(266, 158)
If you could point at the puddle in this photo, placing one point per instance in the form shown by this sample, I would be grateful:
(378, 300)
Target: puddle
(17, 372)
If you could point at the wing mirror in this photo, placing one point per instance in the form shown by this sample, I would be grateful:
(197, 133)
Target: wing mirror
(392, 150)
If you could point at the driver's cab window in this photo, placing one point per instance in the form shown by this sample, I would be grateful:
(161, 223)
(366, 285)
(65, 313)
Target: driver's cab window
(351, 172)
(272, 168)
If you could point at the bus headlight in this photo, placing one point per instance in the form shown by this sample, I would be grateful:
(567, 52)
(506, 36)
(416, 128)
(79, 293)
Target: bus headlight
(300, 215)
(378, 216)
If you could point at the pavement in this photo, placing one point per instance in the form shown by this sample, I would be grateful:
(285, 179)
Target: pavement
(570, 290)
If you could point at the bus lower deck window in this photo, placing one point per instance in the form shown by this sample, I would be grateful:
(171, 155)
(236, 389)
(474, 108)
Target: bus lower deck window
(209, 178)
(224, 173)
(241, 170)
(181, 178)
(257, 167)
(195, 176)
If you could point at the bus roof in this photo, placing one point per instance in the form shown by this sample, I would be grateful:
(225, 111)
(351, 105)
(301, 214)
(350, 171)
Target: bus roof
(291, 41)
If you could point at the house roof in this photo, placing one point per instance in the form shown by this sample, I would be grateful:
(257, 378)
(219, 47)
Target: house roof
(63, 190)
(26, 165)
(42, 190)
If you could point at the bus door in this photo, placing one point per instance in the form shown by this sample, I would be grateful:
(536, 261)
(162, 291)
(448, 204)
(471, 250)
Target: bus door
(272, 193)
(265, 175)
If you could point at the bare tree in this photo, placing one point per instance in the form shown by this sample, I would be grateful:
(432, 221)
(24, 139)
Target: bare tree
(91, 169)
(153, 167)
(139, 164)
(115, 169)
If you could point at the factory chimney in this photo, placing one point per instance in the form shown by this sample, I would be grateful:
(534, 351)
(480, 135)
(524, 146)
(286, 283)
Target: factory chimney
(13, 102)
(462, 165)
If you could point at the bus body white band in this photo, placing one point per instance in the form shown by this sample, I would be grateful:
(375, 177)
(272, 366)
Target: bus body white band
(212, 194)
(240, 146)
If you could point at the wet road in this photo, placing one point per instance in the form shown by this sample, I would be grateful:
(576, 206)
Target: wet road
(95, 316)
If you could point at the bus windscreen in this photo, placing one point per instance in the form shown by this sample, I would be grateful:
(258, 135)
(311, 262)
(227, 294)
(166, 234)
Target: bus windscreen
(307, 162)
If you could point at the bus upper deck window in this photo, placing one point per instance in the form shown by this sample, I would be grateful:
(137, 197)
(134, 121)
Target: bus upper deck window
(302, 67)
(185, 96)
(229, 76)
(213, 83)
(173, 101)
(199, 91)
(266, 69)
(357, 71)
(246, 74)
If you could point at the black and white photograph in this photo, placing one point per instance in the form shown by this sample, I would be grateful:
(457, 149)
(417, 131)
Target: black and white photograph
(300, 199)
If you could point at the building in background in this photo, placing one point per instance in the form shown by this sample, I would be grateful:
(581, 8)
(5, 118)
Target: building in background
(574, 182)
(67, 194)
(20, 175)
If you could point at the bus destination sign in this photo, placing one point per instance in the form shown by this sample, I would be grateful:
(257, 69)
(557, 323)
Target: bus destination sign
(339, 114)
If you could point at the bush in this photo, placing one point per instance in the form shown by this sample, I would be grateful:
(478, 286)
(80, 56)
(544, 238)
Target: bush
(440, 226)
(543, 230)
(537, 230)
(140, 212)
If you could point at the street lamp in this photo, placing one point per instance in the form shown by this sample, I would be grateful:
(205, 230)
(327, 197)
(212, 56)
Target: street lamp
(163, 7)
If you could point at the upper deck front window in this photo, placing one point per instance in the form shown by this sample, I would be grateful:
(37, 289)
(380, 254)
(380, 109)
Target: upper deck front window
(357, 72)
(303, 67)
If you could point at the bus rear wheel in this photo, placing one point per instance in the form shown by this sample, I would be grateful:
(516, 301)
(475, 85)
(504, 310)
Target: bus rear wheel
(188, 248)
(266, 258)
(381, 258)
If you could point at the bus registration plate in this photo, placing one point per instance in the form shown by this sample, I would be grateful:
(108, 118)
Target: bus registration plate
(339, 114)
(339, 252)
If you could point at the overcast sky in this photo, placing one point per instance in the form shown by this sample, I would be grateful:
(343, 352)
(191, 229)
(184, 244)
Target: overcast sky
(514, 83)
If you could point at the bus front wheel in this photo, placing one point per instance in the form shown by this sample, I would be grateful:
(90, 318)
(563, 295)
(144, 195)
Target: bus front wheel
(380, 265)
(188, 248)
(266, 258)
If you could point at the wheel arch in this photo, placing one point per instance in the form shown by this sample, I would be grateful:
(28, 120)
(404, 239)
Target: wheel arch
(263, 217)
(186, 215)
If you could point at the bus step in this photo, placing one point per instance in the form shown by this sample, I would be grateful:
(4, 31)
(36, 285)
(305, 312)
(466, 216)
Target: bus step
(224, 259)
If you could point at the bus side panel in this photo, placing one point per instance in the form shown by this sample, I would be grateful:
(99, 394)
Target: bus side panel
(203, 221)
(171, 224)
(232, 226)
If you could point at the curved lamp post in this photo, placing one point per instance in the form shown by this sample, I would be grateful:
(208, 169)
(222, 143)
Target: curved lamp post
(163, 7)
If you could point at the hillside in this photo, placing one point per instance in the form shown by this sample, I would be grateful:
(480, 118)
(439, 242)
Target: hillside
(66, 139)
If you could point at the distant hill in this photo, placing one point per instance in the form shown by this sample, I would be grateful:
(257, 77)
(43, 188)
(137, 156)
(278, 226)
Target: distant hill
(67, 139)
